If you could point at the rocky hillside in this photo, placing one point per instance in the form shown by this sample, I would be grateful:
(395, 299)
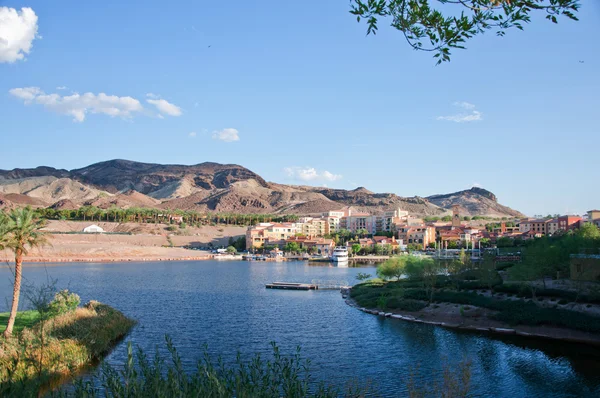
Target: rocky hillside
(213, 187)
(152, 179)
(474, 202)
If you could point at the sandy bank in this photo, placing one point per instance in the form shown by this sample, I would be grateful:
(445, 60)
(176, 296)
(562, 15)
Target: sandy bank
(141, 245)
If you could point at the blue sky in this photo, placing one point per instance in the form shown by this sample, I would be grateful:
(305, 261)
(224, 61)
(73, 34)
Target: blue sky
(299, 94)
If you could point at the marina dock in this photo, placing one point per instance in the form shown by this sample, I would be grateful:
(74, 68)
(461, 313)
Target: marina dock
(291, 286)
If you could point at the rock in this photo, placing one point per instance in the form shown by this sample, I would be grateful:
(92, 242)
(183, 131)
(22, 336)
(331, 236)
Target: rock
(503, 330)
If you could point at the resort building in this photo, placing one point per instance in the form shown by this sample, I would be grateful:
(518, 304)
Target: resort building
(525, 225)
(270, 233)
(422, 235)
(383, 222)
(315, 227)
(566, 223)
(594, 217)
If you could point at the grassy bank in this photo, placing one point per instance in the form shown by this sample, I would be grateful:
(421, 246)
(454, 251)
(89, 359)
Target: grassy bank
(404, 296)
(58, 347)
(25, 319)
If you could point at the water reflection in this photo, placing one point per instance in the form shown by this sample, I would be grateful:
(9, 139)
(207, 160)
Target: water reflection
(226, 305)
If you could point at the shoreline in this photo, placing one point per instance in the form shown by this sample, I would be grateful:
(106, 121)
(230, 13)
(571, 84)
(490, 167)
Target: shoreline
(110, 260)
(486, 326)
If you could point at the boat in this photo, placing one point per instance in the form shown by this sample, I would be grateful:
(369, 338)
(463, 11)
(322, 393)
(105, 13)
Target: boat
(340, 254)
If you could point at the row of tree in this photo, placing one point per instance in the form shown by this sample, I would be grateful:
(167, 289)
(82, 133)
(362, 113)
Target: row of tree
(152, 215)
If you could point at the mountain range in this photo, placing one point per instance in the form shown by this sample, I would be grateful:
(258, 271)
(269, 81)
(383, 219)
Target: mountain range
(214, 187)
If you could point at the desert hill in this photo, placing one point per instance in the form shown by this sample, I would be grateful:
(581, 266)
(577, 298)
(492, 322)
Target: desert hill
(473, 202)
(216, 188)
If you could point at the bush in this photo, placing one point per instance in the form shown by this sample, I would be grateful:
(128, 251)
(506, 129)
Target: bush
(64, 301)
(563, 302)
(171, 228)
(405, 304)
(503, 266)
(524, 291)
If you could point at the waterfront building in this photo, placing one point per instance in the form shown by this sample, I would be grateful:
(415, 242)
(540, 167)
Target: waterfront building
(422, 235)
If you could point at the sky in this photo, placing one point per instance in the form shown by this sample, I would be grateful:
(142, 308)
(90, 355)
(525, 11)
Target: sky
(297, 93)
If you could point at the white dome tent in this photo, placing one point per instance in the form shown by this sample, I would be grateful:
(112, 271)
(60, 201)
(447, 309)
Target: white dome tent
(93, 229)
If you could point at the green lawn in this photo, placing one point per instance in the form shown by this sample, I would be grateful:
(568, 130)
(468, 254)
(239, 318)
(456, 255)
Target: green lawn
(24, 319)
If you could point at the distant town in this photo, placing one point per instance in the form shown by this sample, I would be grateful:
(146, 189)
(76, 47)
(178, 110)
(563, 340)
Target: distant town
(393, 231)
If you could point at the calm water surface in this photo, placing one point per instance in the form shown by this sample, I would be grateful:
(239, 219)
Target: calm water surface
(225, 305)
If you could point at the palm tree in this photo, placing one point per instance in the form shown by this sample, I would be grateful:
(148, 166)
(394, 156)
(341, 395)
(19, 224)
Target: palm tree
(21, 232)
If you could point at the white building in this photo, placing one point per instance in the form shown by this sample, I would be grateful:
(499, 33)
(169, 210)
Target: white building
(93, 229)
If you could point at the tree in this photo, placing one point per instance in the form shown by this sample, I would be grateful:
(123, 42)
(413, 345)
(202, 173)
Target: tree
(362, 232)
(486, 271)
(485, 242)
(392, 268)
(356, 248)
(589, 231)
(292, 247)
(231, 250)
(414, 247)
(456, 268)
(431, 270)
(427, 28)
(361, 276)
(424, 269)
(21, 231)
(447, 218)
(505, 242)
(452, 244)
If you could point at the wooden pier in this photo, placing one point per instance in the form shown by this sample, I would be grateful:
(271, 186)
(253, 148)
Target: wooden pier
(291, 286)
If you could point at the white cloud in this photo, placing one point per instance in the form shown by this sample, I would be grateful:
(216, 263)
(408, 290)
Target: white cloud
(192, 134)
(227, 135)
(62, 88)
(476, 185)
(153, 96)
(464, 105)
(165, 107)
(79, 105)
(310, 174)
(18, 29)
(471, 116)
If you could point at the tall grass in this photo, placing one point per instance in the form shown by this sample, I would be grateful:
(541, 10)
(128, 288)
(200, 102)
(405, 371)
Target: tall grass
(58, 347)
(278, 376)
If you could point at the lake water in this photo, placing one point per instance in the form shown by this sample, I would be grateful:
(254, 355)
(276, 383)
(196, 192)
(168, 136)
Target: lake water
(225, 305)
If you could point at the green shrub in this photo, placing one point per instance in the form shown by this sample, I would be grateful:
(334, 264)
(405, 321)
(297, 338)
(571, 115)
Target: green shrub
(504, 266)
(524, 291)
(171, 228)
(562, 302)
(405, 304)
(64, 301)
